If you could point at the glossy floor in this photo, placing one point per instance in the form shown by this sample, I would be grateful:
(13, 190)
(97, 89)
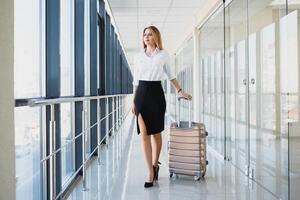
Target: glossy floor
(121, 175)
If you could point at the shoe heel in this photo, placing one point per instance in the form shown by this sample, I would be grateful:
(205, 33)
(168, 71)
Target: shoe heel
(156, 170)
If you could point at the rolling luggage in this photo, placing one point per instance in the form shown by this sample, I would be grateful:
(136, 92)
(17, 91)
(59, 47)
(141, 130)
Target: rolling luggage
(187, 147)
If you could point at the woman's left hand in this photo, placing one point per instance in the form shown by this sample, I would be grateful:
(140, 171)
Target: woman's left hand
(185, 95)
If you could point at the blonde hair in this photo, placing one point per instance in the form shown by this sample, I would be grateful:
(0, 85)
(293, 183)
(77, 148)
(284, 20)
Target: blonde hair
(156, 35)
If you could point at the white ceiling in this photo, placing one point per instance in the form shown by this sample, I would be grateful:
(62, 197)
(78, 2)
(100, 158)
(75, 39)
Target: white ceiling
(172, 17)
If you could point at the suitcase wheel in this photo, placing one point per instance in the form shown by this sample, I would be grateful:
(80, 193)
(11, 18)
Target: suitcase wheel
(197, 178)
(172, 174)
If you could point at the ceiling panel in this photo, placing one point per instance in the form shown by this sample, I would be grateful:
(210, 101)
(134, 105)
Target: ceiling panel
(151, 18)
(127, 24)
(152, 11)
(123, 19)
(172, 17)
(144, 24)
(154, 3)
(188, 4)
(124, 11)
(176, 19)
(123, 3)
(178, 12)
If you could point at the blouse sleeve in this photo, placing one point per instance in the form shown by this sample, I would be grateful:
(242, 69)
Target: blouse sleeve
(168, 69)
(135, 81)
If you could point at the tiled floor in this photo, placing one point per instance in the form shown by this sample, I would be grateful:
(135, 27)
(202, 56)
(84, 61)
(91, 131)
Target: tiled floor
(122, 173)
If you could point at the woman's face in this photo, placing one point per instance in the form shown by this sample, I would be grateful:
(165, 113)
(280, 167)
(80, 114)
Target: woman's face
(149, 38)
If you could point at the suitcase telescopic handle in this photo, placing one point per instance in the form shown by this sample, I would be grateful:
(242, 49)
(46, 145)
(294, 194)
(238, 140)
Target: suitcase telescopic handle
(190, 112)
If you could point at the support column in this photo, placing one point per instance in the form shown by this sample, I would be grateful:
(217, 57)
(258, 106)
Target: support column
(7, 134)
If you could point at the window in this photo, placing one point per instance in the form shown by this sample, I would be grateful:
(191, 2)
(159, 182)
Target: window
(87, 47)
(29, 82)
(66, 48)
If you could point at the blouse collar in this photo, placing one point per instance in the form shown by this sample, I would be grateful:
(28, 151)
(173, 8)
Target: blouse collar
(156, 50)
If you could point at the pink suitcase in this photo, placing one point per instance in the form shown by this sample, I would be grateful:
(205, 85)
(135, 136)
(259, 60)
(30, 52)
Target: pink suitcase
(187, 147)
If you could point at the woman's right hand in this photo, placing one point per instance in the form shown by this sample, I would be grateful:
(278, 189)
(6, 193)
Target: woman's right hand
(185, 95)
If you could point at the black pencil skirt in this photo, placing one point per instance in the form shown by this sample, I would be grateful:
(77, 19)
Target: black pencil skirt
(150, 102)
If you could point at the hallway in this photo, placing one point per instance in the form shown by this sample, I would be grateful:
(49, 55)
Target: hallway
(69, 70)
(121, 175)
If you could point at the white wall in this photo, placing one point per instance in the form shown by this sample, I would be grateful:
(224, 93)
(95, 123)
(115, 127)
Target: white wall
(7, 147)
(199, 19)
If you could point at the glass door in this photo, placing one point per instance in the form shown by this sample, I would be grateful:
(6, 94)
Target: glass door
(290, 93)
(268, 141)
(236, 71)
(211, 48)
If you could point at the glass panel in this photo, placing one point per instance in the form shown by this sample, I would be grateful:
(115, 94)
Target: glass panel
(289, 70)
(27, 144)
(230, 94)
(268, 147)
(207, 98)
(67, 133)
(252, 78)
(211, 47)
(29, 48)
(87, 47)
(99, 38)
(87, 68)
(236, 71)
(29, 70)
(66, 48)
(87, 106)
(67, 87)
(184, 65)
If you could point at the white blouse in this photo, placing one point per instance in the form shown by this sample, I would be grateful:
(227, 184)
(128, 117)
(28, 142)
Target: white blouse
(152, 68)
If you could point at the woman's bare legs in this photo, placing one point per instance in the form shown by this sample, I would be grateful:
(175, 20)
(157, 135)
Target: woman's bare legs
(156, 141)
(146, 145)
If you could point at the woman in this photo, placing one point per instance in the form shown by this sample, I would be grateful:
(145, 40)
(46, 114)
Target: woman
(149, 104)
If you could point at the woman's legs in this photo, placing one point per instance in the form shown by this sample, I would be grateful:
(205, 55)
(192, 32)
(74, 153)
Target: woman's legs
(146, 145)
(156, 144)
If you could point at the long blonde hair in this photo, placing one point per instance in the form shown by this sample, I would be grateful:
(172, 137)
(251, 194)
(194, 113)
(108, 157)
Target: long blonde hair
(156, 35)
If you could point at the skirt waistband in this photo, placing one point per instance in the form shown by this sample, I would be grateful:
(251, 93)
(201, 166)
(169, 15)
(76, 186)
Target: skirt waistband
(149, 83)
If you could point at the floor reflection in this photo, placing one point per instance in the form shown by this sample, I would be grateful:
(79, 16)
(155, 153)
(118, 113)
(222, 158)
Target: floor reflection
(122, 173)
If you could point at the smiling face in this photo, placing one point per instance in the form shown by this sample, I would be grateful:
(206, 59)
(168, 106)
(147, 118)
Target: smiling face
(149, 39)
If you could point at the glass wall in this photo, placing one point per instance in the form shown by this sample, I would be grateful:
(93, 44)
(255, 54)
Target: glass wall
(289, 94)
(47, 34)
(184, 68)
(67, 48)
(236, 47)
(268, 143)
(29, 82)
(211, 51)
(67, 87)
(261, 87)
(87, 47)
(87, 65)
(29, 49)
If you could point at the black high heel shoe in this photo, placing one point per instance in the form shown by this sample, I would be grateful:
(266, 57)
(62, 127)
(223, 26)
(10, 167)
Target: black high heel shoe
(156, 170)
(150, 184)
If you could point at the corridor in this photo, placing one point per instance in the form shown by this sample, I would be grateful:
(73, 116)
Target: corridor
(124, 180)
(69, 70)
